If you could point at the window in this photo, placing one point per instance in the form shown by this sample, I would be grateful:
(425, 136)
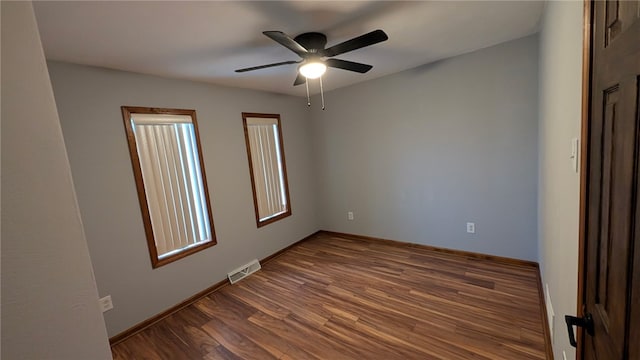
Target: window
(263, 135)
(170, 178)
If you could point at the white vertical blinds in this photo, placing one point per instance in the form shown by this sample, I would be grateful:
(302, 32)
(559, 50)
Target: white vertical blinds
(172, 178)
(267, 167)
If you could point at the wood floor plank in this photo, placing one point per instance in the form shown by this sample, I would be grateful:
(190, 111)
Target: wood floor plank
(343, 298)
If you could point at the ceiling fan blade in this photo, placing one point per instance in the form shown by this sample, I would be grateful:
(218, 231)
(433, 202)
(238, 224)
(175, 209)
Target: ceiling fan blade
(348, 65)
(300, 79)
(267, 66)
(286, 41)
(371, 38)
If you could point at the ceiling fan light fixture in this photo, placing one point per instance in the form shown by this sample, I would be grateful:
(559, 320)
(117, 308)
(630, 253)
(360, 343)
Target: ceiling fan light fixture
(313, 70)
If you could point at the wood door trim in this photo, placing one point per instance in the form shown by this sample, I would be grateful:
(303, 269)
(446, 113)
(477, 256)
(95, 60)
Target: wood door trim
(584, 165)
(122, 336)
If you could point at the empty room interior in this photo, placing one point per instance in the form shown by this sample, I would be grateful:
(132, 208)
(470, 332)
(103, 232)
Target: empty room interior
(304, 180)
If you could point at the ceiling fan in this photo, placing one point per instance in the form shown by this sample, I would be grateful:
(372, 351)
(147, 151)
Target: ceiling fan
(311, 48)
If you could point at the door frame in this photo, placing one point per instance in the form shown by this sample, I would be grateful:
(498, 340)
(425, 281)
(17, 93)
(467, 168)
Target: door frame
(584, 161)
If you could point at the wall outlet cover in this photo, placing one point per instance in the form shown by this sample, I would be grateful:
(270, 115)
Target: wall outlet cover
(105, 303)
(471, 228)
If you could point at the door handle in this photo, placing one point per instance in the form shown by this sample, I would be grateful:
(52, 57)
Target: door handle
(585, 322)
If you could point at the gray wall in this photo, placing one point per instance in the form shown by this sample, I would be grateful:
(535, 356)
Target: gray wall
(559, 184)
(414, 155)
(418, 154)
(89, 101)
(49, 296)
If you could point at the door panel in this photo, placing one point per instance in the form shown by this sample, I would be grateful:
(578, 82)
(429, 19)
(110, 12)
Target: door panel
(613, 220)
(619, 16)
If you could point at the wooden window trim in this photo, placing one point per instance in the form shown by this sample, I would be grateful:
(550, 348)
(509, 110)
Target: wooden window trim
(142, 196)
(246, 115)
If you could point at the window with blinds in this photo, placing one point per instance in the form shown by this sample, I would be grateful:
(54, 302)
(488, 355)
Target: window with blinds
(170, 178)
(263, 135)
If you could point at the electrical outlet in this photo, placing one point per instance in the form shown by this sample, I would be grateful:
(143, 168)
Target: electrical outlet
(350, 215)
(105, 303)
(471, 228)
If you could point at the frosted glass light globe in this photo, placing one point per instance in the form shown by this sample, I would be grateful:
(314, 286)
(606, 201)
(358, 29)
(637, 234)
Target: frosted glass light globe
(313, 70)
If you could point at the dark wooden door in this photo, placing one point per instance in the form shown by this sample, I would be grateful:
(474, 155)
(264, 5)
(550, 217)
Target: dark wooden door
(612, 262)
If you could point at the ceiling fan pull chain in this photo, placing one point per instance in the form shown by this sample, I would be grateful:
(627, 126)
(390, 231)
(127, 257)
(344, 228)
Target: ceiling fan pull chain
(321, 93)
(308, 99)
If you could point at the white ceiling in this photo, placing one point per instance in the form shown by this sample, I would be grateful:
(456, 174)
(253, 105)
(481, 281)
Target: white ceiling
(207, 41)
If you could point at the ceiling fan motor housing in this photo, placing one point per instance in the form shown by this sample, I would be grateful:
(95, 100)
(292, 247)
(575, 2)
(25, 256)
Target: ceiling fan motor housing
(312, 41)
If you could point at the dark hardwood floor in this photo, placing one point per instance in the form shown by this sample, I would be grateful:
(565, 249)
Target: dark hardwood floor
(341, 298)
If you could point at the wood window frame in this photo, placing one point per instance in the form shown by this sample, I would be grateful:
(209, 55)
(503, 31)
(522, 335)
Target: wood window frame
(245, 115)
(156, 262)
